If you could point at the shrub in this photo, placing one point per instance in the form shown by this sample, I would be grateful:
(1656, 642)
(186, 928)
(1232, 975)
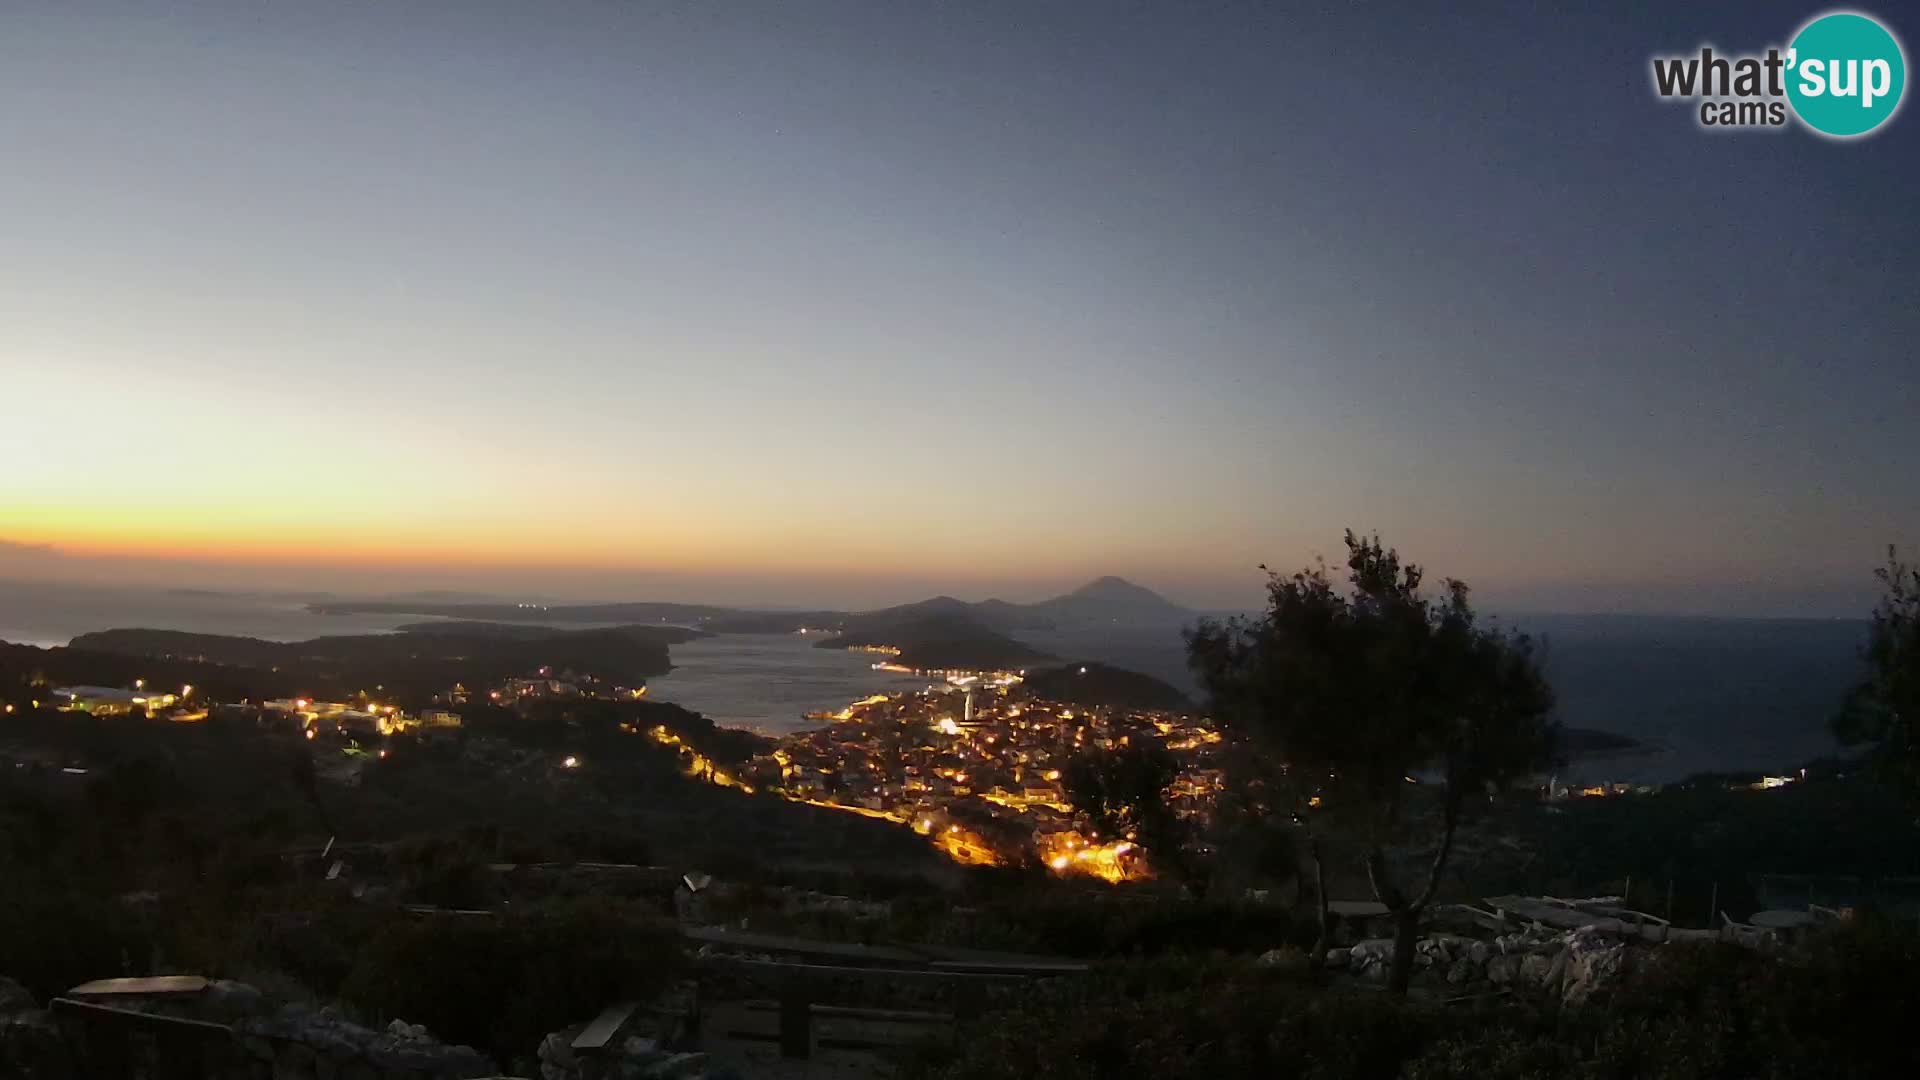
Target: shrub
(500, 984)
(1836, 1007)
(1170, 1019)
(52, 941)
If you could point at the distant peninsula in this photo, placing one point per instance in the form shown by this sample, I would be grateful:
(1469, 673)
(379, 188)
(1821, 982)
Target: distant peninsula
(1102, 685)
(946, 642)
(940, 633)
(433, 656)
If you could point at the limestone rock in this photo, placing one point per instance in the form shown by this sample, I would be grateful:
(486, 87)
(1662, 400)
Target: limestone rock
(400, 1029)
(1534, 968)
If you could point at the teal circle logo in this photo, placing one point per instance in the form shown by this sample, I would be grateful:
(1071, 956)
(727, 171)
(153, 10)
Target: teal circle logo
(1845, 74)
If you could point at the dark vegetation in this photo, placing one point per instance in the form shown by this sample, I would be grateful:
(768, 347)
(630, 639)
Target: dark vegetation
(1335, 699)
(501, 984)
(1883, 712)
(131, 847)
(1095, 684)
(940, 641)
(415, 665)
(1835, 1008)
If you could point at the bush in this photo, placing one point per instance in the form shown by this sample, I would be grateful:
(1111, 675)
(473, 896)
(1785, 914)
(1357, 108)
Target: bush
(1075, 922)
(53, 941)
(500, 984)
(1837, 1007)
(1194, 1020)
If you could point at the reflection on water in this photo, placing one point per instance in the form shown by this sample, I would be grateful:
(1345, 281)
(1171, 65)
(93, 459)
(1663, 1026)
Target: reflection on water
(769, 682)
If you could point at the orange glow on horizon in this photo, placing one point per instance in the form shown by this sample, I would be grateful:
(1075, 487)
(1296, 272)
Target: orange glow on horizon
(568, 542)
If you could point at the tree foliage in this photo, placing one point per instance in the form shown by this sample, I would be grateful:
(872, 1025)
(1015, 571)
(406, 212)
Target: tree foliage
(1123, 793)
(1884, 710)
(1337, 701)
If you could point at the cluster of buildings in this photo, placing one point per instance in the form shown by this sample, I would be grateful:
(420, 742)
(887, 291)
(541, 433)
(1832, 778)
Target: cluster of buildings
(366, 718)
(363, 717)
(121, 701)
(977, 767)
(547, 683)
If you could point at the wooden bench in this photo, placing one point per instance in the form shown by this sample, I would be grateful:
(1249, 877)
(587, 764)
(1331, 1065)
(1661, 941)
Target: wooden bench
(796, 986)
(604, 1030)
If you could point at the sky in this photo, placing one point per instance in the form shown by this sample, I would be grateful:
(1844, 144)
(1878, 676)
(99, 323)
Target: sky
(846, 303)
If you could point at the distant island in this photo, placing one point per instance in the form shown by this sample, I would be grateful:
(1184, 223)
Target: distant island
(940, 633)
(1585, 742)
(1103, 601)
(938, 642)
(430, 657)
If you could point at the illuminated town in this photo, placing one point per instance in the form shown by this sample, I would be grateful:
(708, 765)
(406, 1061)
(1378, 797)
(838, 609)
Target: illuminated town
(975, 765)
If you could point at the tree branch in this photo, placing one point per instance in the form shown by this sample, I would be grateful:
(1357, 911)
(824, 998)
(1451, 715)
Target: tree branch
(1451, 824)
(1384, 889)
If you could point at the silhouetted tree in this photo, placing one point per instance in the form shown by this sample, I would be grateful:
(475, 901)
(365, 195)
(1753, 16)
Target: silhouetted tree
(1123, 793)
(1882, 712)
(1334, 701)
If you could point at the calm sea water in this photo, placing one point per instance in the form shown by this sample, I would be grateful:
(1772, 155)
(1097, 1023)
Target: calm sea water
(769, 682)
(45, 614)
(1702, 694)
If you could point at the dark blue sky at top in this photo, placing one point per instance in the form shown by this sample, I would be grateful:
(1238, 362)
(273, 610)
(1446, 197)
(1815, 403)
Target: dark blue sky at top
(1208, 281)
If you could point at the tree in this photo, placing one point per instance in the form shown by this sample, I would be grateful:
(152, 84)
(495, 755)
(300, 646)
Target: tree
(1336, 702)
(1882, 711)
(1123, 792)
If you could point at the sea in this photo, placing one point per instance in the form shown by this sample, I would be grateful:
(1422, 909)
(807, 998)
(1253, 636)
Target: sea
(1698, 694)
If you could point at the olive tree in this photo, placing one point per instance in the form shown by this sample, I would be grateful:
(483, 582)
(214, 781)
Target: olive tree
(1376, 709)
(1883, 712)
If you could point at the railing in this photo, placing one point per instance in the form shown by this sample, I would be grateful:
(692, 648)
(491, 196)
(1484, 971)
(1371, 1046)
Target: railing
(954, 984)
(111, 1043)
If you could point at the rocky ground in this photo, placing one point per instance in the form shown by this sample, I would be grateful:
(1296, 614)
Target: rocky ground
(1569, 965)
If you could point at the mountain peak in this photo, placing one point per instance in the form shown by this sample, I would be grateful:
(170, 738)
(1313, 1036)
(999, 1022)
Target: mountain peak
(1109, 583)
(1113, 599)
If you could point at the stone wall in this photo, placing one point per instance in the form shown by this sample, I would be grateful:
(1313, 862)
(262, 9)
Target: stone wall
(299, 1043)
(291, 1042)
(1570, 965)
